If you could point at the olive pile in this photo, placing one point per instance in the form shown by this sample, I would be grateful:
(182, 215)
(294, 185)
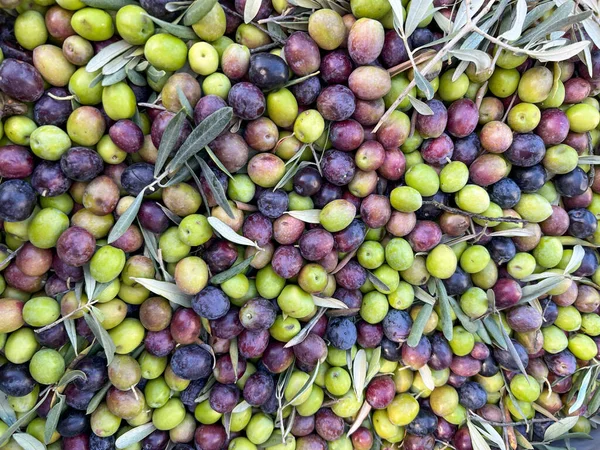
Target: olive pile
(213, 235)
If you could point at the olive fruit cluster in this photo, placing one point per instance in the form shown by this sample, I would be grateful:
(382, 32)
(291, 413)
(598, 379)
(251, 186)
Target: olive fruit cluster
(213, 235)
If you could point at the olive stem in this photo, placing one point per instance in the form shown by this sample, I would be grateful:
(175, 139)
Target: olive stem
(473, 215)
(433, 61)
(68, 316)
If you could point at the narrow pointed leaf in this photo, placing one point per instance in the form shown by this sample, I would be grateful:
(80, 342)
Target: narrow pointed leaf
(170, 291)
(102, 335)
(168, 141)
(197, 11)
(180, 31)
(126, 219)
(106, 55)
(232, 271)
(134, 435)
(418, 326)
(227, 233)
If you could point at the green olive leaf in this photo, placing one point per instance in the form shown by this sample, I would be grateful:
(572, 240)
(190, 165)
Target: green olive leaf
(71, 375)
(52, 418)
(418, 325)
(208, 130)
(97, 399)
(464, 320)
(306, 385)
(583, 391)
(377, 282)
(328, 302)
(241, 407)
(185, 103)
(251, 10)
(307, 215)
(180, 31)
(170, 291)
(556, 430)
(107, 54)
(134, 435)
(232, 271)
(7, 415)
(28, 442)
(197, 11)
(305, 331)
(114, 78)
(215, 187)
(72, 333)
(22, 420)
(359, 372)
(445, 315)
(227, 233)
(234, 355)
(102, 335)
(418, 12)
(126, 219)
(169, 140)
(479, 442)
(217, 161)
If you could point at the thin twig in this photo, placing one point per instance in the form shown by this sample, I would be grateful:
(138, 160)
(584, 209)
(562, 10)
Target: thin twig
(433, 61)
(473, 215)
(524, 422)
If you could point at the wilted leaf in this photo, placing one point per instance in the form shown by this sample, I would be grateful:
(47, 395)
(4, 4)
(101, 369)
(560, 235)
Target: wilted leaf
(134, 435)
(170, 291)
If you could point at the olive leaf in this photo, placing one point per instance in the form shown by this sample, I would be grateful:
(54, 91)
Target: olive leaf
(559, 54)
(134, 435)
(168, 141)
(510, 346)
(209, 129)
(481, 59)
(22, 420)
(583, 391)
(307, 215)
(445, 315)
(374, 364)
(418, 12)
(106, 55)
(419, 106)
(594, 403)
(493, 328)
(109, 4)
(424, 85)
(537, 13)
(465, 11)
(72, 333)
(241, 407)
(52, 418)
(90, 282)
(170, 214)
(328, 302)
(28, 442)
(102, 335)
(185, 103)
(306, 386)
(477, 439)
(424, 296)
(232, 271)
(251, 10)
(180, 31)
(126, 219)
(234, 355)
(7, 415)
(418, 325)
(576, 258)
(490, 432)
(136, 78)
(534, 291)
(170, 291)
(363, 413)
(215, 187)
(464, 320)
(380, 285)
(217, 161)
(227, 233)
(427, 377)
(97, 399)
(197, 11)
(114, 78)
(556, 430)
(359, 372)
(520, 12)
(70, 376)
(304, 332)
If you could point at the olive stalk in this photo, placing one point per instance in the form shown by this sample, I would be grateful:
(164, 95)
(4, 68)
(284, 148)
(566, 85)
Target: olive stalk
(471, 24)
